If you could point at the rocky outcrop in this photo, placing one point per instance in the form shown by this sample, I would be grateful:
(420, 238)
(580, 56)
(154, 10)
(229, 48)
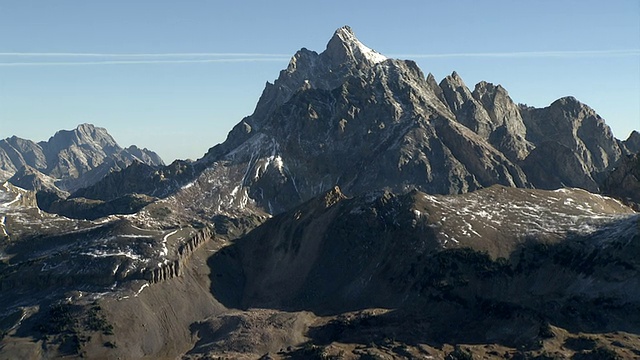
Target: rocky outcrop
(144, 155)
(577, 127)
(624, 181)
(552, 165)
(632, 144)
(468, 111)
(72, 153)
(353, 118)
(173, 268)
(15, 153)
(88, 263)
(508, 132)
(489, 112)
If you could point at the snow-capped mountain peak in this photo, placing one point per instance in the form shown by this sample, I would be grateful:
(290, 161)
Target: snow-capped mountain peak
(346, 43)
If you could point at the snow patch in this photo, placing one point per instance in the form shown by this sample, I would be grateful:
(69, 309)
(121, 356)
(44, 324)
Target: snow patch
(349, 38)
(141, 288)
(188, 185)
(16, 199)
(279, 164)
(3, 226)
(165, 250)
(100, 254)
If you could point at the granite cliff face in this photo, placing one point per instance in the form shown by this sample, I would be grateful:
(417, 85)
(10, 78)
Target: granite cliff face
(71, 158)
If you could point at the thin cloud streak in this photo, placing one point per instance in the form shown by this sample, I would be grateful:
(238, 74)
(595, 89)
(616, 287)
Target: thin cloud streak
(137, 55)
(576, 53)
(159, 58)
(528, 54)
(141, 62)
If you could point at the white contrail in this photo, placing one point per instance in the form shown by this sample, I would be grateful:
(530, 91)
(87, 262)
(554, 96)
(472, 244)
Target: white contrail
(569, 53)
(528, 54)
(138, 62)
(158, 58)
(136, 55)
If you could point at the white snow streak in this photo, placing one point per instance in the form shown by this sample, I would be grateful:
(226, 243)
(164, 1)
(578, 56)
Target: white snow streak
(98, 254)
(165, 250)
(141, 288)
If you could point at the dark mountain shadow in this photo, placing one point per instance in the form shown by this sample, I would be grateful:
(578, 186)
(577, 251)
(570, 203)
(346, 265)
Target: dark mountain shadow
(227, 277)
(439, 323)
(581, 283)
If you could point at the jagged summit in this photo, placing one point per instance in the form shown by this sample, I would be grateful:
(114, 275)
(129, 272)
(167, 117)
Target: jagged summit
(344, 46)
(83, 134)
(344, 57)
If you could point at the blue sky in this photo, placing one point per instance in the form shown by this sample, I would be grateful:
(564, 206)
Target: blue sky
(179, 106)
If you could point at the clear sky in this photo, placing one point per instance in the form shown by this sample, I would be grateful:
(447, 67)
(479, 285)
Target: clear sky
(180, 104)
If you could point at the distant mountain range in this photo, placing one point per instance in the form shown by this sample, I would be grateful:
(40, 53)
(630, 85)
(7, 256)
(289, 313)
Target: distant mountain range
(69, 160)
(364, 210)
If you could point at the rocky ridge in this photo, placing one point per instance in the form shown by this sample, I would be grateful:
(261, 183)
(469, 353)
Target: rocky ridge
(89, 254)
(515, 267)
(57, 273)
(367, 241)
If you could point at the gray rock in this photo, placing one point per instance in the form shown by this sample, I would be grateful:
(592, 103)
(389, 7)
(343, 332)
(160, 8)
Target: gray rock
(632, 144)
(624, 181)
(74, 158)
(578, 127)
(508, 131)
(32, 179)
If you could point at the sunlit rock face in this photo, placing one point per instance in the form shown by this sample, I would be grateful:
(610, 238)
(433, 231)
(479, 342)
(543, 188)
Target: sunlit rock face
(71, 158)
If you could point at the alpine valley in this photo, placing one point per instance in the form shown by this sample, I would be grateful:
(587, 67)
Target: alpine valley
(363, 211)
